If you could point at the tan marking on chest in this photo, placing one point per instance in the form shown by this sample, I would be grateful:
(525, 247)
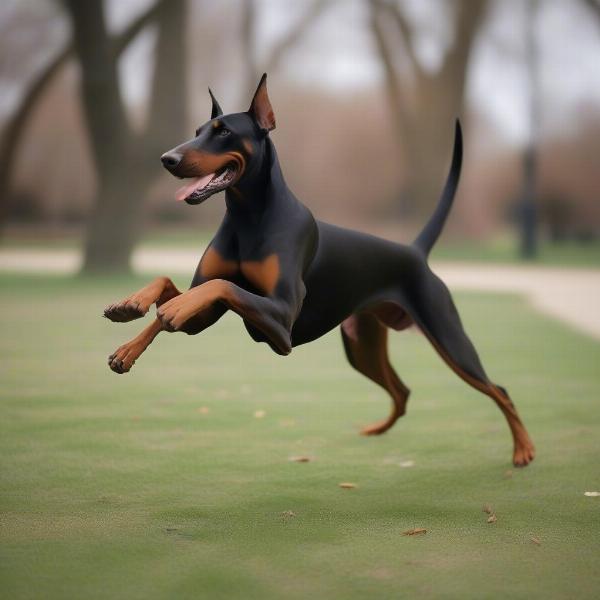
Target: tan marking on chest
(213, 265)
(262, 274)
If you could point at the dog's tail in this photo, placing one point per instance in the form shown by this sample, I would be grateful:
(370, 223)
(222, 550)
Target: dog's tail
(427, 238)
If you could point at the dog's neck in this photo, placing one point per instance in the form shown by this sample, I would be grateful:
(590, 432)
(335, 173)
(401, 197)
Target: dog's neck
(251, 197)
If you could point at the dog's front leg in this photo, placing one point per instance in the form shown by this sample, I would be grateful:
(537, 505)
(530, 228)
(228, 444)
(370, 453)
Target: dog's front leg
(124, 357)
(136, 305)
(270, 315)
(158, 291)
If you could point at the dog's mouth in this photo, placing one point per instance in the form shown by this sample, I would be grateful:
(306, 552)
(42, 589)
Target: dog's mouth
(200, 188)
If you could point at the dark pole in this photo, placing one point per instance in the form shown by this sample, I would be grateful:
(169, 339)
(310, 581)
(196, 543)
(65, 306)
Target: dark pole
(528, 208)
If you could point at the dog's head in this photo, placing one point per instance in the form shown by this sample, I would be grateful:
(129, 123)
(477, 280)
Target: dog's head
(224, 149)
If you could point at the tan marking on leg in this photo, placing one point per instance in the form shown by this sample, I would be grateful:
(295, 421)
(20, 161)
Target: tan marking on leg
(524, 450)
(365, 342)
(124, 357)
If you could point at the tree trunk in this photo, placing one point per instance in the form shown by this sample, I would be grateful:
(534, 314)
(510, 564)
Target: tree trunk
(109, 242)
(122, 159)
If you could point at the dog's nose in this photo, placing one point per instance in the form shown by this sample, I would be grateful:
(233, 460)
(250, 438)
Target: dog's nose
(171, 160)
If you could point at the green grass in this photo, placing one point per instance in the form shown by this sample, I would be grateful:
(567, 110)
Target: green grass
(119, 487)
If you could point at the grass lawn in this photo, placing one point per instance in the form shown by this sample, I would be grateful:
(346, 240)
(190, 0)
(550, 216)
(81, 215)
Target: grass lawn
(164, 484)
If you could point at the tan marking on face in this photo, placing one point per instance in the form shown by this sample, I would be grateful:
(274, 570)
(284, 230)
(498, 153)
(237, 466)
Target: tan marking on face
(216, 124)
(262, 274)
(214, 266)
(196, 163)
(248, 146)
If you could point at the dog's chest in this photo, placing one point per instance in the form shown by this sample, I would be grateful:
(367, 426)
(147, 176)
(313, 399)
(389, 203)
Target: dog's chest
(262, 274)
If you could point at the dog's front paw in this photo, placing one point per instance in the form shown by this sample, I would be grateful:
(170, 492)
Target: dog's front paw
(172, 315)
(133, 307)
(124, 357)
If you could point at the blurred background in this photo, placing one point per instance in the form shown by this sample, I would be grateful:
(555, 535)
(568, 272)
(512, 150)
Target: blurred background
(365, 93)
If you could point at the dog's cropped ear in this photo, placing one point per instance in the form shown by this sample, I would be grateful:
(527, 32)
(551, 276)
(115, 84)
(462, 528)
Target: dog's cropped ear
(260, 108)
(216, 109)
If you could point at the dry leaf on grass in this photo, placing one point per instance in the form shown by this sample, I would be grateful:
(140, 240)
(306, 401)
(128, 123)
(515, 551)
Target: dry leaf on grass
(508, 474)
(415, 531)
(487, 509)
(288, 513)
(492, 519)
(535, 541)
(300, 459)
(347, 486)
(259, 414)
(406, 464)
(591, 494)
(204, 410)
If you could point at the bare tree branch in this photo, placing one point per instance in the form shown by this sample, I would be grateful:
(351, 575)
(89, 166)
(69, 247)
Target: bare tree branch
(295, 33)
(392, 81)
(247, 34)
(253, 67)
(394, 11)
(594, 6)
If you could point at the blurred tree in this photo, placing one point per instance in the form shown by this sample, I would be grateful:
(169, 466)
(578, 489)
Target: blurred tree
(34, 91)
(124, 159)
(424, 104)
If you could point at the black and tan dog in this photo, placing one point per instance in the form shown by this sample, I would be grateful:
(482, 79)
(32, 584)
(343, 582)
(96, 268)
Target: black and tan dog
(292, 278)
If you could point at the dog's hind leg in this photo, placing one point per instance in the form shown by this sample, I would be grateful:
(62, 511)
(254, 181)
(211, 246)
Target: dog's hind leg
(365, 342)
(158, 291)
(434, 312)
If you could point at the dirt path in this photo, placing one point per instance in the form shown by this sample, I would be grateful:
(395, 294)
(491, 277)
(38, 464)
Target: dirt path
(571, 295)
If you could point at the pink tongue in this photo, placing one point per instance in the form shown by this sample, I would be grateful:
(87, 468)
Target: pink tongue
(199, 182)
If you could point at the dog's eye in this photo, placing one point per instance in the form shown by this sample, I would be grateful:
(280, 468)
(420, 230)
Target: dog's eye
(224, 132)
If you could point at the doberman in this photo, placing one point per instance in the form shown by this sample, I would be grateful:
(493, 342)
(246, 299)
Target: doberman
(292, 278)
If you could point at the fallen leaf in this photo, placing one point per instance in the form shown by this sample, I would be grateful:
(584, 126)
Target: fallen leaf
(170, 528)
(592, 494)
(492, 519)
(406, 463)
(535, 541)
(487, 509)
(508, 474)
(415, 531)
(288, 513)
(347, 486)
(259, 414)
(204, 410)
(301, 459)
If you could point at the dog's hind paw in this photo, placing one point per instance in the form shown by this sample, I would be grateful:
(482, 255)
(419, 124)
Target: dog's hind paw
(379, 427)
(523, 455)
